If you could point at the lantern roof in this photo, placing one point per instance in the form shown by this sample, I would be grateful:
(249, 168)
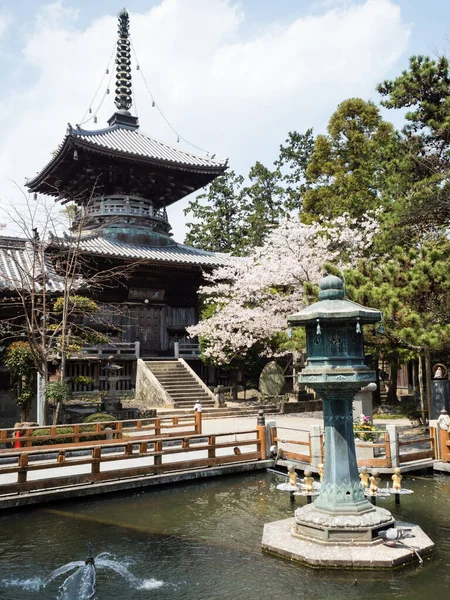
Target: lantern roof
(333, 307)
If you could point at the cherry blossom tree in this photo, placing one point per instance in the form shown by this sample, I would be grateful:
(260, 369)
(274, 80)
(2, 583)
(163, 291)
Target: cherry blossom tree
(246, 303)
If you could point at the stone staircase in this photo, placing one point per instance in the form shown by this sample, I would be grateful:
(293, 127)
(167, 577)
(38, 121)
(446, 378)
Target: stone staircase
(181, 383)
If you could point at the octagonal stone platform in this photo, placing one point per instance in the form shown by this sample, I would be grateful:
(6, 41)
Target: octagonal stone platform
(278, 539)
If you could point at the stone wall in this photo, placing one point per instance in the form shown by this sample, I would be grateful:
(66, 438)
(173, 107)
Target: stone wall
(149, 392)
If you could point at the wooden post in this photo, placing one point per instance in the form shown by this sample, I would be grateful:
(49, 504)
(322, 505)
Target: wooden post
(143, 446)
(261, 435)
(28, 433)
(212, 442)
(61, 456)
(23, 468)
(198, 422)
(96, 456)
(185, 443)
(443, 439)
(157, 426)
(76, 434)
(158, 457)
(128, 450)
(119, 432)
(387, 449)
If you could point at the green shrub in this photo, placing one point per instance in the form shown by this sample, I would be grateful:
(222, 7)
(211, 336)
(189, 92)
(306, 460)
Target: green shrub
(52, 441)
(97, 417)
(58, 391)
(82, 380)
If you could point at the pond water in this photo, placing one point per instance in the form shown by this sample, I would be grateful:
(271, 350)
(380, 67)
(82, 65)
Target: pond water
(202, 541)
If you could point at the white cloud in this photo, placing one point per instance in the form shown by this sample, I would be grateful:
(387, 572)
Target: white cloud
(224, 90)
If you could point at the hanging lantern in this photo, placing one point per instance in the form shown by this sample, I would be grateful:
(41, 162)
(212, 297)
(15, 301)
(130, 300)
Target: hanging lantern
(90, 110)
(75, 154)
(153, 103)
(107, 71)
(107, 90)
(137, 67)
(95, 119)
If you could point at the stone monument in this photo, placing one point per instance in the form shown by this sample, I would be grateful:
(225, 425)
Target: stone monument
(341, 527)
(271, 380)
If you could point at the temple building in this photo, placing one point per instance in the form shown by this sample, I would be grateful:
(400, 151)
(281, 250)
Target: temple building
(122, 182)
(119, 183)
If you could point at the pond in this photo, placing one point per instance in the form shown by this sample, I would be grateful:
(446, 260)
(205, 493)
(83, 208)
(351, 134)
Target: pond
(202, 541)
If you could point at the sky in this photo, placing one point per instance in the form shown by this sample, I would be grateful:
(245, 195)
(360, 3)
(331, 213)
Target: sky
(231, 77)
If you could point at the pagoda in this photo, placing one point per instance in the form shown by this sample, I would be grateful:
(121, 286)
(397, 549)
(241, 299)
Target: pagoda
(121, 182)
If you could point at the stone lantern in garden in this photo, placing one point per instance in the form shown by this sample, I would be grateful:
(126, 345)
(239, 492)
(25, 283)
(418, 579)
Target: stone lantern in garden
(336, 371)
(341, 527)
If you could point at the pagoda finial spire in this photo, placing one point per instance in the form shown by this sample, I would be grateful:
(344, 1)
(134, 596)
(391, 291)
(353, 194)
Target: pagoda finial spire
(123, 98)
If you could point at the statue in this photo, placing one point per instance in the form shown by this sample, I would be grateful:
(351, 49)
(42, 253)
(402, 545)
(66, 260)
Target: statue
(397, 480)
(364, 477)
(308, 480)
(292, 475)
(444, 420)
(320, 471)
(374, 480)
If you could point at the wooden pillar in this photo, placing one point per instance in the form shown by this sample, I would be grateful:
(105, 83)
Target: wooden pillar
(261, 435)
(212, 442)
(443, 439)
(198, 422)
(23, 468)
(158, 457)
(96, 377)
(96, 456)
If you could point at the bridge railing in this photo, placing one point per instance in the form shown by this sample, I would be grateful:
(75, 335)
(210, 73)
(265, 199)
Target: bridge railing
(14, 439)
(131, 458)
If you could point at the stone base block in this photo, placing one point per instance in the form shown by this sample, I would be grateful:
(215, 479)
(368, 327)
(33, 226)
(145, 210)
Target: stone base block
(336, 528)
(277, 539)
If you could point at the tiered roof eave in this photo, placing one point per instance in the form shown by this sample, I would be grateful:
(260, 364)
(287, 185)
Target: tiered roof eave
(126, 143)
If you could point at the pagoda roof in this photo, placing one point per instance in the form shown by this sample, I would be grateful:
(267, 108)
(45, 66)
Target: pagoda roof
(173, 254)
(18, 259)
(125, 142)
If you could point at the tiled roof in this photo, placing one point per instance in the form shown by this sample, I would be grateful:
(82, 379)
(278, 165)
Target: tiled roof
(130, 140)
(20, 266)
(176, 254)
(18, 260)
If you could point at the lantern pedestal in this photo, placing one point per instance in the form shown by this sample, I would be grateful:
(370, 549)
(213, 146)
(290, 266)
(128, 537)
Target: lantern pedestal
(279, 540)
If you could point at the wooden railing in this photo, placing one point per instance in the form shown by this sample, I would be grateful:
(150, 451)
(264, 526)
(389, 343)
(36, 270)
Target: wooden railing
(81, 434)
(285, 454)
(378, 451)
(420, 454)
(155, 456)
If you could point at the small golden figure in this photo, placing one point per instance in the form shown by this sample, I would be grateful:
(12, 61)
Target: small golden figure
(374, 481)
(364, 477)
(320, 471)
(308, 480)
(397, 480)
(292, 475)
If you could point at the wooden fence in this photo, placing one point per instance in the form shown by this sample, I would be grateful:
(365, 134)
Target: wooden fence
(428, 452)
(442, 438)
(151, 457)
(83, 433)
(376, 453)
